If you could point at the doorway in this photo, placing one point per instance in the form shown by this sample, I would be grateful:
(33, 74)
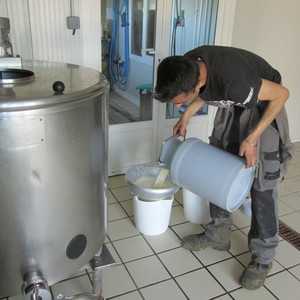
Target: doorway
(136, 35)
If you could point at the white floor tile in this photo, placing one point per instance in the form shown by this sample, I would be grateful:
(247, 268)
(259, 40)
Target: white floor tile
(284, 209)
(224, 297)
(179, 261)
(111, 198)
(296, 271)
(245, 294)
(292, 184)
(187, 228)
(147, 271)
(120, 229)
(245, 230)
(178, 196)
(113, 253)
(162, 242)
(210, 256)
(116, 281)
(287, 255)
(199, 285)
(115, 212)
(296, 159)
(239, 242)
(292, 200)
(166, 290)
(282, 190)
(72, 287)
(130, 296)
(132, 248)
(240, 220)
(116, 181)
(293, 171)
(227, 273)
(284, 286)
(177, 216)
(128, 206)
(292, 220)
(122, 193)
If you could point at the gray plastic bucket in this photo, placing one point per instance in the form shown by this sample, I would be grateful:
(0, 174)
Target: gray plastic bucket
(217, 176)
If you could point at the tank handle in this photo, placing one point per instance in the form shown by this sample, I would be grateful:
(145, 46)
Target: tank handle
(58, 87)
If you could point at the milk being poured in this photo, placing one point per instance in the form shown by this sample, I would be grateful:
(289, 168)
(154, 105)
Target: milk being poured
(155, 182)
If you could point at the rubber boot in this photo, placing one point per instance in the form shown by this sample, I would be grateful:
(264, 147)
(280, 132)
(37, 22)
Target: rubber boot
(197, 242)
(254, 275)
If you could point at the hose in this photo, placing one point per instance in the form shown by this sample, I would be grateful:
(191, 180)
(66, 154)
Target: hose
(118, 65)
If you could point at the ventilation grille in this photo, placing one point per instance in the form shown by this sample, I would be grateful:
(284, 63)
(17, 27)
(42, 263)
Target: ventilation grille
(290, 235)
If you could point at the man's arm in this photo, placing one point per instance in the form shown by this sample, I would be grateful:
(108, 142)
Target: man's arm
(277, 95)
(192, 108)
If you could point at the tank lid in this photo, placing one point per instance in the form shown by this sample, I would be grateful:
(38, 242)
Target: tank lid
(8, 76)
(42, 84)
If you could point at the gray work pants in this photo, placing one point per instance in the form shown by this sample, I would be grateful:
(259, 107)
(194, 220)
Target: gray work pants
(262, 238)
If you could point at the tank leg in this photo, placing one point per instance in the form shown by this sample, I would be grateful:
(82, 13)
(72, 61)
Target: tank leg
(97, 283)
(102, 260)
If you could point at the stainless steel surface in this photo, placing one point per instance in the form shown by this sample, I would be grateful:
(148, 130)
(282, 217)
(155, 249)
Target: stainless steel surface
(53, 173)
(135, 173)
(9, 75)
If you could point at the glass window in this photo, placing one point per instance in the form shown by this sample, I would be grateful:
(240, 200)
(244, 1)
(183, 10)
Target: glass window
(194, 24)
(151, 24)
(137, 27)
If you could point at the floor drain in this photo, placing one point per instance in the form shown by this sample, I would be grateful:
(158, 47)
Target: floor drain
(289, 234)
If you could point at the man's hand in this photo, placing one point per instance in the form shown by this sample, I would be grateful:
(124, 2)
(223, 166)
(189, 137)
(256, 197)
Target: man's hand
(248, 150)
(180, 127)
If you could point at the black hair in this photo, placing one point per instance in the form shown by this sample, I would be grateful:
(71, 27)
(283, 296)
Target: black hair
(176, 75)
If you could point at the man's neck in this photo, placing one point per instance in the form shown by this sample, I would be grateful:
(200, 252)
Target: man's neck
(203, 72)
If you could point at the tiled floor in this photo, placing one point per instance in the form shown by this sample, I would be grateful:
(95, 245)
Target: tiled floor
(157, 268)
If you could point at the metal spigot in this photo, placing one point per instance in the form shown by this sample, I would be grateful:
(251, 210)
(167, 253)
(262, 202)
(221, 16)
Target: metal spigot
(35, 287)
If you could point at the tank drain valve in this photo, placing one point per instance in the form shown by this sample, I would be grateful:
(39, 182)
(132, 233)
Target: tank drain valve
(35, 287)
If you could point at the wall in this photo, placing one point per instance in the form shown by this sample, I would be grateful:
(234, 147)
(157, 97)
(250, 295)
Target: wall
(270, 28)
(39, 30)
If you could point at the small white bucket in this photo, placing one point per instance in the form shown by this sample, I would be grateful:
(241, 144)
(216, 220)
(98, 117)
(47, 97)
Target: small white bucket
(195, 208)
(152, 217)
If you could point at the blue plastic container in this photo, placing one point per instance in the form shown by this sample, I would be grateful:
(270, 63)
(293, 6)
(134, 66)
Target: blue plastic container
(217, 176)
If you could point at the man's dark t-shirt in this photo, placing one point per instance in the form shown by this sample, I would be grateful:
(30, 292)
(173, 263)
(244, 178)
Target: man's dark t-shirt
(233, 75)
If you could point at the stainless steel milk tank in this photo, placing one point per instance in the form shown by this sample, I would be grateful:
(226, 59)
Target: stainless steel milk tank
(53, 171)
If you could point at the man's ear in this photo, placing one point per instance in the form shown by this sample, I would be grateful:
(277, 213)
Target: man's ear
(199, 84)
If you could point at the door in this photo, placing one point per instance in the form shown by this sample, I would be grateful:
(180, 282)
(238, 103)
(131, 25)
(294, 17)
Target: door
(132, 29)
(194, 24)
(137, 35)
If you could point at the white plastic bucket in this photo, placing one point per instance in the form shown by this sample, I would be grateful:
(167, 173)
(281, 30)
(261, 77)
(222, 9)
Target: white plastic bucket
(152, 217)
(214, 174)
(195, 208)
